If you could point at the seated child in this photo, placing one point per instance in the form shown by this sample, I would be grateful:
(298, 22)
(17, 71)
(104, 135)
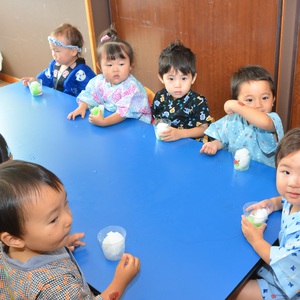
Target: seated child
(5, 153)
(67, 72)
(34, 228)
(115, 88)
(250, 122)
(187, 110)
(279, 277)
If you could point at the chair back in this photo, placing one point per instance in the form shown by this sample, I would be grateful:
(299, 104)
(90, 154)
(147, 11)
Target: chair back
(150, 95)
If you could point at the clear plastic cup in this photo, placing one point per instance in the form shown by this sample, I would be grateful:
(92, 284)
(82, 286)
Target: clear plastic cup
(241, 159)
(112, 241)
(160, 125)
(36, 87)
(258, 215)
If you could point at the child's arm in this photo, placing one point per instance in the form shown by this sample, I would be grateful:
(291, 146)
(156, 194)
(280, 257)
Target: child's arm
(99, 119)
(254, 235)
(211, 148)
(126, 270)
(173, 134)
(253, 116)
(80, 110)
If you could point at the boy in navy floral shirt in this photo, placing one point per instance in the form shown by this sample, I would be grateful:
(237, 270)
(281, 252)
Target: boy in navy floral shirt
(187, 110)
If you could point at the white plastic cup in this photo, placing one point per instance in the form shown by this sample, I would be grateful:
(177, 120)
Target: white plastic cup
(112, 241)
(160, 125)
(241, 159)
(36, 87)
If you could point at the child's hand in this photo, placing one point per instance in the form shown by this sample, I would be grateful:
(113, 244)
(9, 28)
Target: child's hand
(209, 148)
(262, 204)
(251, 232)
(170, 134)
(80, 110)
(25, 80)
(96, 119)
(74, 240)
(127, 269)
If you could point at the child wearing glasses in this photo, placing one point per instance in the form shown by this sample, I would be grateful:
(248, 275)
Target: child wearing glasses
(187, 110)
(250, 122)
(67, 72)
(115, 89)
(34, 228)
(279, 277)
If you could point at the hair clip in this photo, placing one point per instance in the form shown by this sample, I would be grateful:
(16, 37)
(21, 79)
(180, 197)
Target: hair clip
(55, 42)
(105, 38)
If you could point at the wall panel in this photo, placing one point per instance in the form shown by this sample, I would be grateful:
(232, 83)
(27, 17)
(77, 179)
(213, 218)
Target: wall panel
(224, 34)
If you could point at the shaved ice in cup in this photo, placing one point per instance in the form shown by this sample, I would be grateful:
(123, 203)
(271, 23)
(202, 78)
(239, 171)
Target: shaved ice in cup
(95, 110)
(241, 159)
(160, 125)
(256, 216)
(112, 242)
(36, 87)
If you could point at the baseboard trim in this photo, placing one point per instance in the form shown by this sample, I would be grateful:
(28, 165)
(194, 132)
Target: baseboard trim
(8, 78)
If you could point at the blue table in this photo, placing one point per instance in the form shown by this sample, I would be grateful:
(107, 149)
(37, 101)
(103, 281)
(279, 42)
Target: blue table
(181, 209)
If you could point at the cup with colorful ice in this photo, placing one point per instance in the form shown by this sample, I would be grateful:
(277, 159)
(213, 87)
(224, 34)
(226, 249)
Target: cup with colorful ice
(241, 159)
(160, 125)
(96, 109)
(112, 242)
(256, 215)
(36, 87)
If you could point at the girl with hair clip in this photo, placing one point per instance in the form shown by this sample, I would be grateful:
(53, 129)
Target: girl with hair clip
(116, 89)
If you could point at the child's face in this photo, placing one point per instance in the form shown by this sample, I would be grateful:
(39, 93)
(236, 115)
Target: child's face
(64, 56)
(257, 94)
(48, 222)
(115, 71)
(288, 179)
(176, 83)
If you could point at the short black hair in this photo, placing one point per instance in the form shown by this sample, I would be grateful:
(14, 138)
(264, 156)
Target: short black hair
(290, 143)
(20, 184)
(179, 57)
(247, 74)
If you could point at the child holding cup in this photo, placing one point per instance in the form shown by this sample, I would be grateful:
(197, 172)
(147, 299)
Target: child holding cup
(250, 122)
(67, 72)
(34, 228)
(279, 277)
(187, 111)
(116, 89)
